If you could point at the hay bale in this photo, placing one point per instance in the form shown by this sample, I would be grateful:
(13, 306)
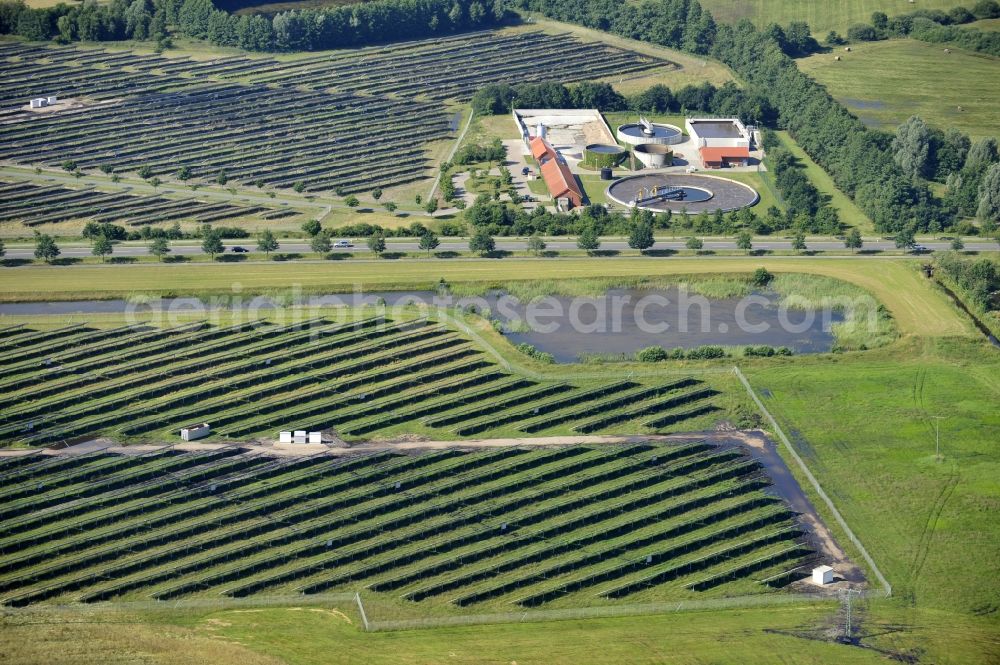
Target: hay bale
(847, 48)
(837, 58)
(947, 50)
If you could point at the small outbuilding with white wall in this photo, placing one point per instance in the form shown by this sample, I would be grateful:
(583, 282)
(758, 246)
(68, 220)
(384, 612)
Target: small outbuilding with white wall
(192, 432)
(822, 575)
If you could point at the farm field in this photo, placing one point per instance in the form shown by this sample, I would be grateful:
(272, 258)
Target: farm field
(884, 83)
(987, 24)
(207, 115)
(917, 309)
(557, 526)
(822, 17)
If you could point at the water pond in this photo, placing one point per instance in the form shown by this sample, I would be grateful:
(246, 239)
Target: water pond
(621, 321)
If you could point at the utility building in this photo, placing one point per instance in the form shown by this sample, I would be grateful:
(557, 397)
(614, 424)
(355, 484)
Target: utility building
(559, 180)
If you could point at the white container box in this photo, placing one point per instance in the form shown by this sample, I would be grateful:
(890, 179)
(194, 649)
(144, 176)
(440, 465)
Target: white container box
(192, 432)
(822, 575)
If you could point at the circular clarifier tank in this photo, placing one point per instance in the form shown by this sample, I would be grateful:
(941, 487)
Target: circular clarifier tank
(600, 155)
(637, 133)
(676, 192)
(654, 155)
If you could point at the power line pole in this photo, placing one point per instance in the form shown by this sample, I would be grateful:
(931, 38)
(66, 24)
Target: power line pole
(937, 437)
(845, 595)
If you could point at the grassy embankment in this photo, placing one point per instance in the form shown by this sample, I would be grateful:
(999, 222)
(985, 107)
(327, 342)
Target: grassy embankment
(896, 283)
(884, 83)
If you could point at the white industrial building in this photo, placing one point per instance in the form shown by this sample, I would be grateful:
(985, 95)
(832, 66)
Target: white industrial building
(721, 142)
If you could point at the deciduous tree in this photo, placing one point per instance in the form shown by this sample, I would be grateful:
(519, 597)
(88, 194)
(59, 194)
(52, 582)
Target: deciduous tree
(267, 243)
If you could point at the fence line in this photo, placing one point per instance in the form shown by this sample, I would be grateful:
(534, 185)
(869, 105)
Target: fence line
(451, 155)
(887, 588)
(611, 611)
(222, 603)
(361, 610)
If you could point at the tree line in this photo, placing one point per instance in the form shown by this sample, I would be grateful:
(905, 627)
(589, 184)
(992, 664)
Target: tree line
(935, 26)
(970, 170)
(978, 279)
(296, 30)
(728, 100)
(806, 208)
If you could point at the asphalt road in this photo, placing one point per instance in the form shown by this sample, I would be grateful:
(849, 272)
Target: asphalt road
(299, 247)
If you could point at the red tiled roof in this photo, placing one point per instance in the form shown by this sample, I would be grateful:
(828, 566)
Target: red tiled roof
(713, 155)
(540, 147)
(561, 182)
(555, 172)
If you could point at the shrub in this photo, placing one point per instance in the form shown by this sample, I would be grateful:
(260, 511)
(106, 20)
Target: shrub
(452, 229)
(706, 353)
(651, 354)
(862, 32)
(761, 277)
(762, 351)
(532, 352)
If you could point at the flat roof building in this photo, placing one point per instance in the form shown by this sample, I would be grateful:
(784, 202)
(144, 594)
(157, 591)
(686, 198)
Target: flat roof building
(721, 142)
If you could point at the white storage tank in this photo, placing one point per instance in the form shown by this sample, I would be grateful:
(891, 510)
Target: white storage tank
(192, 432)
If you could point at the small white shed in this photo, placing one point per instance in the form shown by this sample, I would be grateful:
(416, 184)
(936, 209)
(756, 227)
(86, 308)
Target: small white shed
(822, 575)
(38, 102)
(192, 432)
(300, 436)
(51, 99)
(284, 437)
(315, 437)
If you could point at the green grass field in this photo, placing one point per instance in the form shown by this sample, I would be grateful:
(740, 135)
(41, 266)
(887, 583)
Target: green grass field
(987, 24)
(821, 16)
(846, 208)
(884, 83)
(329, 636)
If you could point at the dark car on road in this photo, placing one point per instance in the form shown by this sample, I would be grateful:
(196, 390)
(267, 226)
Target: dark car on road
(239, 250)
